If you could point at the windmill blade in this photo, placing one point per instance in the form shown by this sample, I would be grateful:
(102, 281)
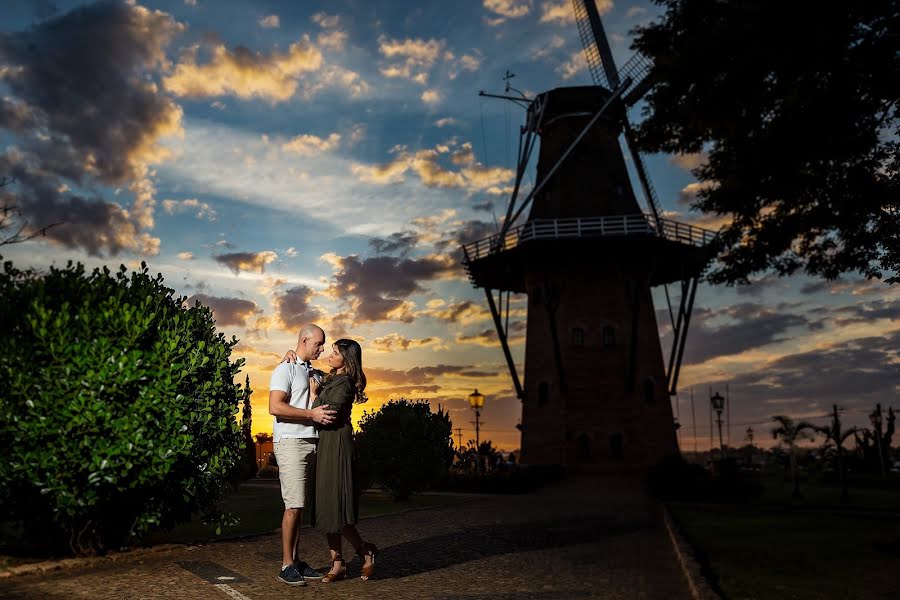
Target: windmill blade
(638, 68)
(641, 168)
(596, 47)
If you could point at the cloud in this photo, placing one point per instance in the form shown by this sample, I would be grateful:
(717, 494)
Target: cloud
(270, 21)
(244, 73)
(431, 96)
(326, 21)
(689, 162)
(311, 145)
(546, 49)
(397, 342)
(227, 311)
(426, 163)
(401, 242)
(445, 122)
(246, 261)
(573, 66)
(186, 255)
(846, 373)
(85, 112)
(635, 11)
(737, 329)
(291, 252)
(690, 193)
(377, 288)
(294, 307)
(506, 9)
(559, 13)
(201, 210)
(465, 312)
(412, 59)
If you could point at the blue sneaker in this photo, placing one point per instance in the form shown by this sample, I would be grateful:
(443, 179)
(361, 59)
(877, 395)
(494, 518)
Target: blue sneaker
(307, 571)
(291, 575)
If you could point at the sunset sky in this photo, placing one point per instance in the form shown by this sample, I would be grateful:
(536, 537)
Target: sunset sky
(286, 162)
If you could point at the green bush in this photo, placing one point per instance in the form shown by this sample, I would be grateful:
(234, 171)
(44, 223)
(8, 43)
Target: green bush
(404, 447)
(118, 406)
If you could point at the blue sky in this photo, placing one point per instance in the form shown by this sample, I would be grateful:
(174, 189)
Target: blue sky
(287, 161)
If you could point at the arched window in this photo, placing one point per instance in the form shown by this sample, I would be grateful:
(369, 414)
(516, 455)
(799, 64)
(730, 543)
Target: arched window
(649, 390)
(543, 393)
(609, 336)
(577, 337)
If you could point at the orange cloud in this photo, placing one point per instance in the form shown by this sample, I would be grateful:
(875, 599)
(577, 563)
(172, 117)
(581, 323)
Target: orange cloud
(244, 73)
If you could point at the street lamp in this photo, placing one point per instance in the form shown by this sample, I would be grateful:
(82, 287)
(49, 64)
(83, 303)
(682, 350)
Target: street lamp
(718, 403)
(476, 401)
(750, 436)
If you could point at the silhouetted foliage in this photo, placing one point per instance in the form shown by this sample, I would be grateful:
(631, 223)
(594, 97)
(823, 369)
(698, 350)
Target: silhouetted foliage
(404, 447)
(249, 466)
(795, 105)
(789, 432)
(118, 406)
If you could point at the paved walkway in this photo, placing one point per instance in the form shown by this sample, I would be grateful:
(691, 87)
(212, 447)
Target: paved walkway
(582, 538)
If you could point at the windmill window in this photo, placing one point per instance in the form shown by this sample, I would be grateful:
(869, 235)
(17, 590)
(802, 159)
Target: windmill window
(615, 445)
(609, 337)
(543, 393)
(577, 337)
(649, 390)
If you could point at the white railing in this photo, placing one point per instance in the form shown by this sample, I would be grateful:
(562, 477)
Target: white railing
(549, 229)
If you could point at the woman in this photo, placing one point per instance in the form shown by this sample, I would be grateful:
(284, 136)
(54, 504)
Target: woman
(337, 493)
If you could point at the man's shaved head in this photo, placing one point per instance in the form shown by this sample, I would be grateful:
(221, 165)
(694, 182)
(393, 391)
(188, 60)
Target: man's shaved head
(310, 342)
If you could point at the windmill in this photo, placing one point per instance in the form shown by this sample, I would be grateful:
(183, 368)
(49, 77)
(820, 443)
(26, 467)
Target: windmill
(596, 387)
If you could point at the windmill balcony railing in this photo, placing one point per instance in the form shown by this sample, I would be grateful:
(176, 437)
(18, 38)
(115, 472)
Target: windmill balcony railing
(549, 229)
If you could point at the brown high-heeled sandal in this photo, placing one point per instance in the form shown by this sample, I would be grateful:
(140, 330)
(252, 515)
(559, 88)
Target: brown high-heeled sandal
(367, 550)
(341, 573)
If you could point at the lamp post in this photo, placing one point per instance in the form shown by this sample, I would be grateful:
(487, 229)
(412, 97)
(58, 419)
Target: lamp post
(875, 418)
(476, 401)
(718, 403)
(750, 436)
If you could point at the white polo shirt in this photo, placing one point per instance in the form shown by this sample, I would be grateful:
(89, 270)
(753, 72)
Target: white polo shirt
(293, 379)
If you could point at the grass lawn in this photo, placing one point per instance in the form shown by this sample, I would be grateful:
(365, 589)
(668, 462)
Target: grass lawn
(761, 552)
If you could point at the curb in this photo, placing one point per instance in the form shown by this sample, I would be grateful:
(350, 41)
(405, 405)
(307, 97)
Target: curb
(697, 583)
(71, 563)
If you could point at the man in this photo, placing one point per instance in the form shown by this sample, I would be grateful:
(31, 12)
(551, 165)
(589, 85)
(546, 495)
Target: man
(294, 437)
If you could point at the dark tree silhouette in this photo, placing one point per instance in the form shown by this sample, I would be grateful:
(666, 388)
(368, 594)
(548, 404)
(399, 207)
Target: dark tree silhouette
(795, 108)
(789, 432)
(836, 435)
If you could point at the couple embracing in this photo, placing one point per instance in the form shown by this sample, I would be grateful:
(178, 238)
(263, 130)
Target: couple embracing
(313, 440)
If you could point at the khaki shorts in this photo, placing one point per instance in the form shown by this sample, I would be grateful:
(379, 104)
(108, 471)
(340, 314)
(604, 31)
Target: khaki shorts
(296, 469)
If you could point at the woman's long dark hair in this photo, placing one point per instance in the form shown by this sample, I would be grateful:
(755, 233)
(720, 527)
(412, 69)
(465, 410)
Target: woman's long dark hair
(352, 354)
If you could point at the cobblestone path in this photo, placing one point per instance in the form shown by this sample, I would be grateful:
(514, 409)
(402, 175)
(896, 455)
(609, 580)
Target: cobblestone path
(581, 538)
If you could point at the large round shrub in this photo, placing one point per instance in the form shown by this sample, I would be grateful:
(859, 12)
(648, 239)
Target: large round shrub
(405, 447)
(118, 407)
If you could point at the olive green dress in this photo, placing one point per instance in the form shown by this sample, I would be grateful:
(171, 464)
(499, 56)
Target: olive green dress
(337, 497)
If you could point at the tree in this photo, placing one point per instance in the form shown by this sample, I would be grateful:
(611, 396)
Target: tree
(834, 434)
(404, 446)
(795, 107)
(789, 433)
(249, 465)
(118, 407)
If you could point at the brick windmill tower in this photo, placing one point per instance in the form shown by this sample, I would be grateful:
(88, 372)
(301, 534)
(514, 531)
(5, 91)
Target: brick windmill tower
(596, 385)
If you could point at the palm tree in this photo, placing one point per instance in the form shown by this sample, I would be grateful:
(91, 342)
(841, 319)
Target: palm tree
(789, 433)
(834, 433)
